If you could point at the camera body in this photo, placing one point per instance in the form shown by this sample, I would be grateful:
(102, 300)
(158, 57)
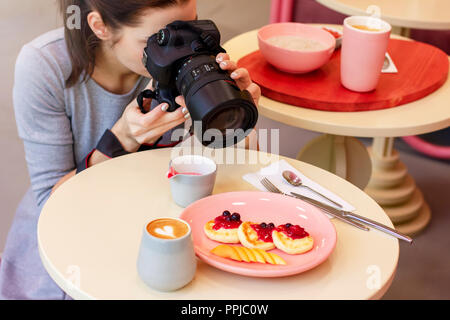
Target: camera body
(178, 41)
(182, 60)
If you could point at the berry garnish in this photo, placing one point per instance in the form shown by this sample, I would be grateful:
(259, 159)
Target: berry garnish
(271, 225)
(236, 217)
(227, 221)
(264, 231)
(293, 231)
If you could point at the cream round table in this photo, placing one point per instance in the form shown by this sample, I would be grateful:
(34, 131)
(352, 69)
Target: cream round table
(420, 14)
(90, 229)
(386, 177)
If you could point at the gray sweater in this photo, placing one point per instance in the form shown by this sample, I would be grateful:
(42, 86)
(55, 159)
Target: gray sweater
(59, 126)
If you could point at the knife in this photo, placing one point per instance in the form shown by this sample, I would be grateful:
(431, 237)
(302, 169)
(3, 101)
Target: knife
(331, 211)
(354, 216)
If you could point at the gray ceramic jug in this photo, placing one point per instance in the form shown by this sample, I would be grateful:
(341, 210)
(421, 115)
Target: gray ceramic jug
(193, 180)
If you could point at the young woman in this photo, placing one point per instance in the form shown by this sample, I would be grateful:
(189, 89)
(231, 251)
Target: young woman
(70, 87)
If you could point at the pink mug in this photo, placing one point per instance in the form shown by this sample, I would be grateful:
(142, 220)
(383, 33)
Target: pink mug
(363, 52)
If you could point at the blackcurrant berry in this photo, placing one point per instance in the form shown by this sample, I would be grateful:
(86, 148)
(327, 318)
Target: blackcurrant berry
(288, 225)
(236, 217)
(226, 213)
(263, 225)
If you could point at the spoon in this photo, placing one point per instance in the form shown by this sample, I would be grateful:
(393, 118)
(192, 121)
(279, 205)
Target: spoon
(295, 180)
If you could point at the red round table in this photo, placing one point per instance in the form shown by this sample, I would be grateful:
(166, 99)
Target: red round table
(322, 88)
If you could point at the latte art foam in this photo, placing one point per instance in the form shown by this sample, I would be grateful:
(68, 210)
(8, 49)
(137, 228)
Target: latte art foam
(167, 228)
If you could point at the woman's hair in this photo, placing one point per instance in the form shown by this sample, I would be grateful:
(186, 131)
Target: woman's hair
(82, 42)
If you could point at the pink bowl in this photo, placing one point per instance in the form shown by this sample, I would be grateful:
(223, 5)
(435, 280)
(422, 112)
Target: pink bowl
(295, 61)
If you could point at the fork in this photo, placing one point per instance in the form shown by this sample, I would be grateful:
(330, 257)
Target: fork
(272, 188)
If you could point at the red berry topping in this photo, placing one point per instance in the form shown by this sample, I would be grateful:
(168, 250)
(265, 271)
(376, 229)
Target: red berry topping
(227, 221)
(264, 231)
(293, 231)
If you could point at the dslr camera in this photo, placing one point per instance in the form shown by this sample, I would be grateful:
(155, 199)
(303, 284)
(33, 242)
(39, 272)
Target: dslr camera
(182, 61)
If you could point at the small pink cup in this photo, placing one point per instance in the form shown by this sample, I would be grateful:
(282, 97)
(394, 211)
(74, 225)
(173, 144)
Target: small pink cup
(363, 53)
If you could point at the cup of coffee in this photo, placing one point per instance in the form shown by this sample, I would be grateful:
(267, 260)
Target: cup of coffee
(192, 178)
(364, 47)
(166, 260)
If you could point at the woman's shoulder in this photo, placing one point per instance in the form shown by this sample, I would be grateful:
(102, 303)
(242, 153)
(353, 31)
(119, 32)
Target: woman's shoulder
(46, 55)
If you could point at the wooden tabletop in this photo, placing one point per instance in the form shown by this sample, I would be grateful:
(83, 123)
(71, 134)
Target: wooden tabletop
(89, 234)
(419, 14)
(428, 114)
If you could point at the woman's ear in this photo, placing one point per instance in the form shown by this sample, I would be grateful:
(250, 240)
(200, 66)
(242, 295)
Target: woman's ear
(97, 26)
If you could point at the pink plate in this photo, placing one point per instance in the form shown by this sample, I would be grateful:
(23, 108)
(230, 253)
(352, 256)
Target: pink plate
(262, 207)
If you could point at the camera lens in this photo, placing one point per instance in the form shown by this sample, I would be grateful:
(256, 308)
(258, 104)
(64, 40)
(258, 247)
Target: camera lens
(214, 99)
(230, 118)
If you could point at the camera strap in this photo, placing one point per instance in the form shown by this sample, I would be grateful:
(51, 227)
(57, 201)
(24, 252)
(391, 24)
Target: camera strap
(146, 94)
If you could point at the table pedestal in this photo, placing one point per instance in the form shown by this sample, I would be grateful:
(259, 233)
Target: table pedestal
(395, 190)
(346, 157)
(376, 169)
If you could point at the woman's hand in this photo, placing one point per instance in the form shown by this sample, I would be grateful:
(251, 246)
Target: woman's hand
(135, 128)
(244, 82)
(241, 76)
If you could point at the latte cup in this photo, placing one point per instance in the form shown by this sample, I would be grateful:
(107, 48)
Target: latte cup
(166, 260)
(364, 47)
